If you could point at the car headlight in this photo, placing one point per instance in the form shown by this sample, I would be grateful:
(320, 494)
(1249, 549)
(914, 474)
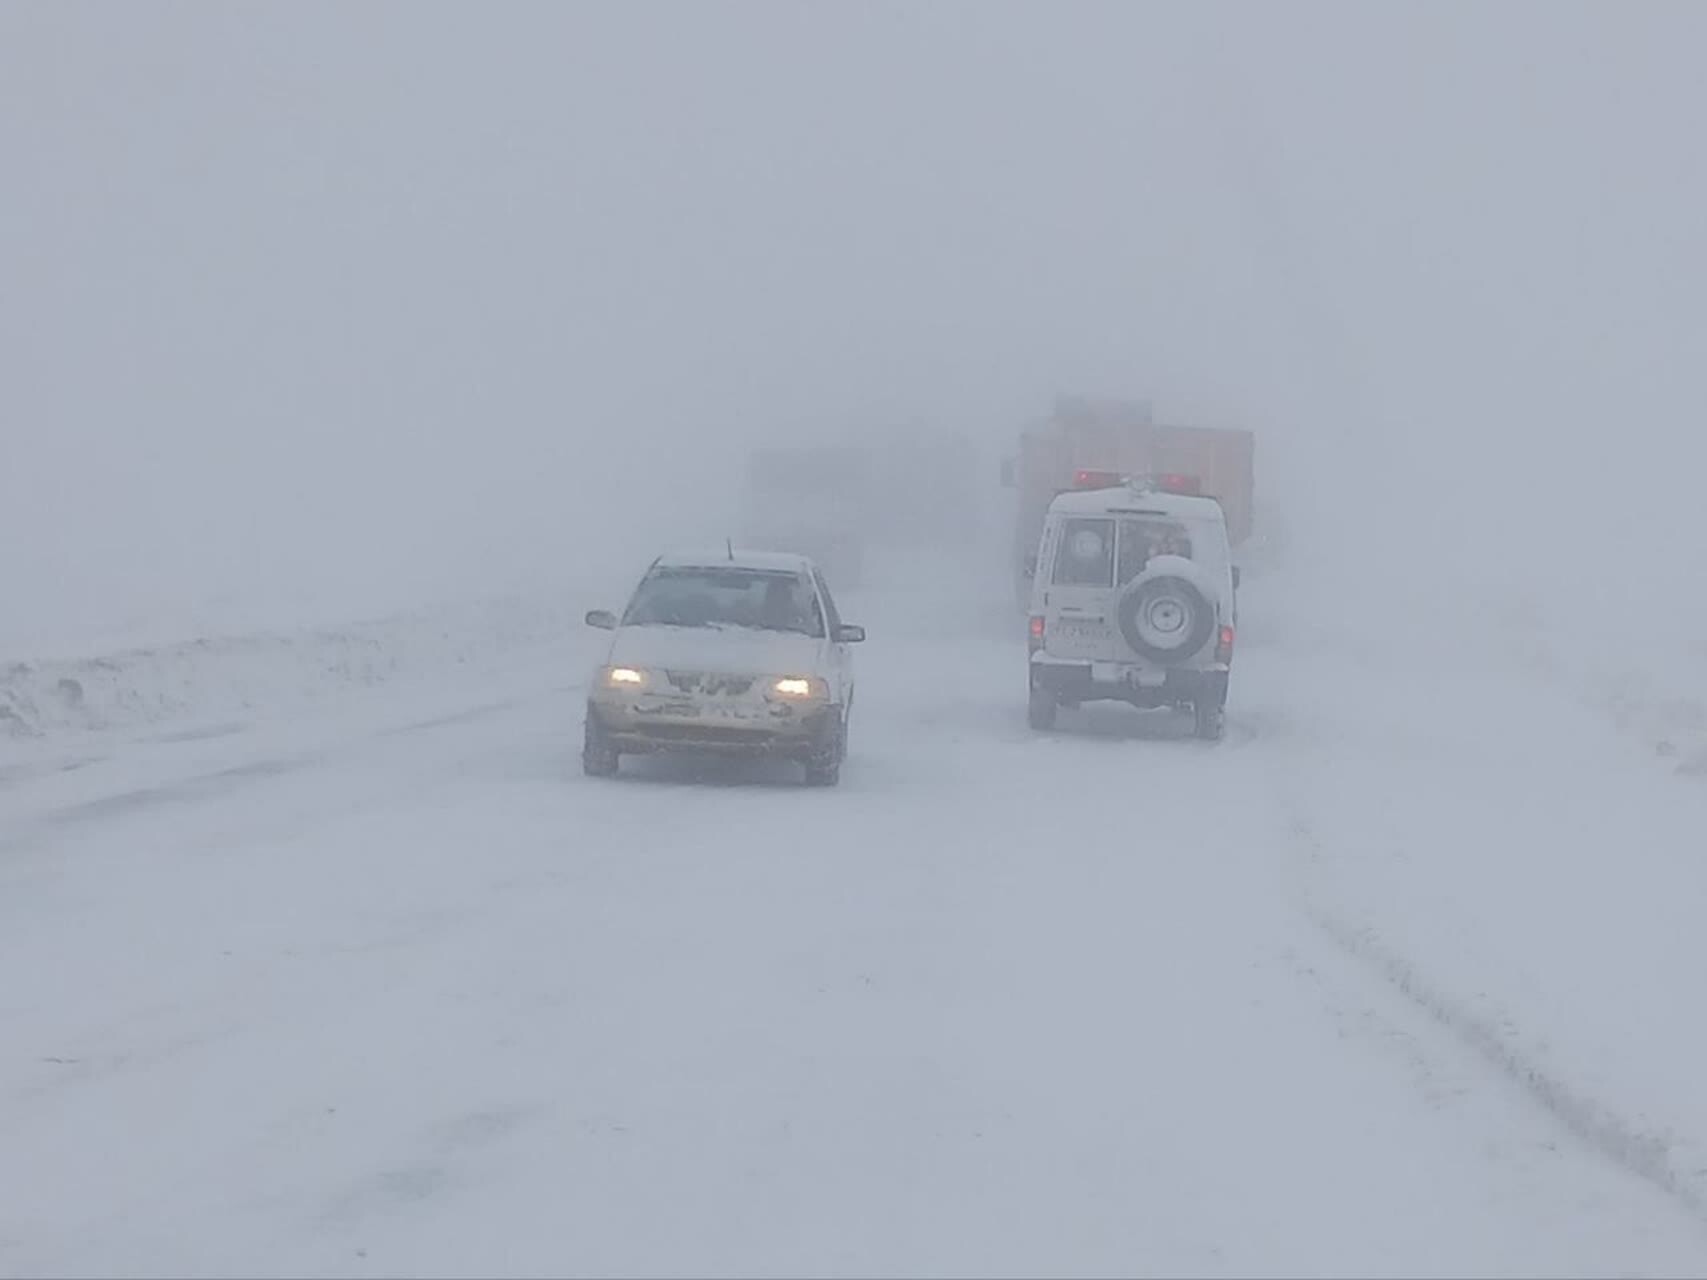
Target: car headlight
(797, 688)
(629, 678)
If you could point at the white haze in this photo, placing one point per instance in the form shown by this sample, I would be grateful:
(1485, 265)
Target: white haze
(315, 310)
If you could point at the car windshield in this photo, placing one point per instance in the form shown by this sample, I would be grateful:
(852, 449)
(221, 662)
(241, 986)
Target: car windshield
(733, 597)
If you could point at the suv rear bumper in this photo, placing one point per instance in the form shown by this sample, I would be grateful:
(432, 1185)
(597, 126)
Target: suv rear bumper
(1142, 686)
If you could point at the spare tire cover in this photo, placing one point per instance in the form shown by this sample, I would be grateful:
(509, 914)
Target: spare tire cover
(1164, 614)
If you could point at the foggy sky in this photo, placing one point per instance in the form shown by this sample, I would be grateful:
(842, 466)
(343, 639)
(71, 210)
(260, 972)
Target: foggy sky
(370, 302)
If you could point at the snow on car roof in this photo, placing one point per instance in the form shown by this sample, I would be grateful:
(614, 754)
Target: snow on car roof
(773, 561)
(1096, 502)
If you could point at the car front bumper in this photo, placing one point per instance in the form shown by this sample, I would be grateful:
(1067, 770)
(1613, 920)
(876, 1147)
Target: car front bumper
(644, 723)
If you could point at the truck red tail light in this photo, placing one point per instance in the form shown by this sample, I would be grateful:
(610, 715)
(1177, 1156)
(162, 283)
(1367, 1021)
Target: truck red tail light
(1096, 479)
(1036, 634)
(1224, 645)
(1174, 482)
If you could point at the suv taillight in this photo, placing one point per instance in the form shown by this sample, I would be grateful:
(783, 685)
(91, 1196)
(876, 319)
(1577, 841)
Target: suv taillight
(1036, 634)
(1224, 645)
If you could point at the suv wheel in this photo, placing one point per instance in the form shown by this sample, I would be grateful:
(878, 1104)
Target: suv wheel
(598, 758)
(1210, 718)
(1040, 711)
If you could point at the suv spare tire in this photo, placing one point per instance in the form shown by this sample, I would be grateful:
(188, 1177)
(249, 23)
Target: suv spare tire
(1164, 615)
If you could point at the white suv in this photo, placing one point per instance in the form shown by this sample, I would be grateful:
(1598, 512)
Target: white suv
(740, 652)
(1133, 601)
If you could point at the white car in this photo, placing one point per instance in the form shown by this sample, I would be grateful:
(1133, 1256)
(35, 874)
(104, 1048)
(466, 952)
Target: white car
(738, 652)
(1134, 600)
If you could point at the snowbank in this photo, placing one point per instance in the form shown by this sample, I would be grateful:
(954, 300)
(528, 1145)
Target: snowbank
(238, 677)
(1646, 676)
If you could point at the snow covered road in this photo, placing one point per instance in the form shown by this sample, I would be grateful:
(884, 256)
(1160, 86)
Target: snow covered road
(1361, 989)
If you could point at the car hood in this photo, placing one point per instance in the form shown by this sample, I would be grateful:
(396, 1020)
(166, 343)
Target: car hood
(730, 650)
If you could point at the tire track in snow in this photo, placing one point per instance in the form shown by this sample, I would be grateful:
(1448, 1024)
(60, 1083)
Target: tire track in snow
(216, 784)
(186, 791)
(1597, 1125)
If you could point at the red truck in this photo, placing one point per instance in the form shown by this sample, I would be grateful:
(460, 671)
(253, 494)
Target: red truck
(1083, 443)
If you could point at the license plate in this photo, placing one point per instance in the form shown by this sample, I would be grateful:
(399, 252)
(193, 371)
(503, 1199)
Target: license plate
(682, 709)
(1081, 632)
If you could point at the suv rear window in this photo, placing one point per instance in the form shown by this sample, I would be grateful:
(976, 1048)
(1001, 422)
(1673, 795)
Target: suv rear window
(1142, 538)
(1085, 555)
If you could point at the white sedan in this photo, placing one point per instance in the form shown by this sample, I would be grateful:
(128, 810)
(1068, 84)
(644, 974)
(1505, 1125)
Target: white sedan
(733, 652)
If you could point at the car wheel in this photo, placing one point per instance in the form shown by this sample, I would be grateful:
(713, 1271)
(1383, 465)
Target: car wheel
(1040, 711)
(1209, 718)
(599, 759)
(825, 768)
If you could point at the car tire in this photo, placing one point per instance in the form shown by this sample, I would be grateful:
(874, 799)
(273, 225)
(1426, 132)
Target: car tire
(1209, 718)
(1167, 605)
(599, 759)
(1041, 709)
(825, 769)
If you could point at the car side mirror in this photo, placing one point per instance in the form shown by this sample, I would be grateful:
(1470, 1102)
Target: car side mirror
(603, 619)
(1236, 577)
(849, 635)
